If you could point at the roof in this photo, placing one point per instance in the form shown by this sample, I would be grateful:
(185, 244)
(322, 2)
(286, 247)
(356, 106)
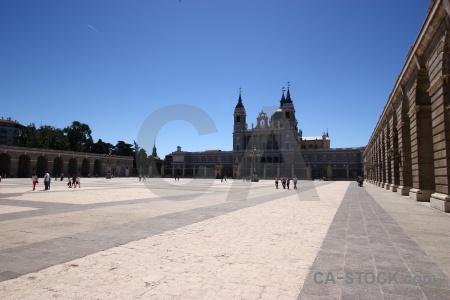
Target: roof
(312, 138)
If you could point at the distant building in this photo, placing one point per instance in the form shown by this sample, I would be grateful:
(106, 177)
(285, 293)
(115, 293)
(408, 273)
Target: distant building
(274, 147)
(9, 132)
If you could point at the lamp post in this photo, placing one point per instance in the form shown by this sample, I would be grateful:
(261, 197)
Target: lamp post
(254, 154)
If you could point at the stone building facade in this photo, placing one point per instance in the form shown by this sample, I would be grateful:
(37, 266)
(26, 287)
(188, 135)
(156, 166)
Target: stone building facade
(23, 162)
(9, 131)
(275, 147)
(409, 150)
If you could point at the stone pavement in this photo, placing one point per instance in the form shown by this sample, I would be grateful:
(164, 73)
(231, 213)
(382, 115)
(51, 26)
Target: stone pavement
(206, 239)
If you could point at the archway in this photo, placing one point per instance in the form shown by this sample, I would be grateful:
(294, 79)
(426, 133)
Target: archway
(24, 166)
(97, 168)
(85, 168)
(72, 166)
(41, 166)
(5, 164)
(58, 166)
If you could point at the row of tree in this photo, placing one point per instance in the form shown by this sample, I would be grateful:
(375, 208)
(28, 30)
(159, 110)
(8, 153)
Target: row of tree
(76, 137)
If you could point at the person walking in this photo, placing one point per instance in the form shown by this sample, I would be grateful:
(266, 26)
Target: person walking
(74, 180)
(34, 179)
(78, 181)
(287, 182)
(46, 181)
(283, 182)
(276, 182)
(295, 182)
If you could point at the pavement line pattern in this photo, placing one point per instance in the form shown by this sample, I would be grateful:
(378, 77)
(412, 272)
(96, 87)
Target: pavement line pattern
(363, 242)
(261, 248)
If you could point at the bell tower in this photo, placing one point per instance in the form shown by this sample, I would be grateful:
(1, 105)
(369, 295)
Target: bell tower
(240, 125)
(289, 110)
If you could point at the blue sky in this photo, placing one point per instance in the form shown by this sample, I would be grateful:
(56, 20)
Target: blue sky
(111, 64)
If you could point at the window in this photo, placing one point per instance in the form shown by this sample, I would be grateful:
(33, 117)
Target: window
(324, 157)
(287, 145)
(238, 119)
(333, 157)
(314, 157)
(344, 157)
(237, 147)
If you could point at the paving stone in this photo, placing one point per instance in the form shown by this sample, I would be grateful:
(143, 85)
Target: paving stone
(212, 240)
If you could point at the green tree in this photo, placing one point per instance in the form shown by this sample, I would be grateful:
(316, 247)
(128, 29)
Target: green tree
(124, 149)
(50, 137)
(28, 136)
(47, 137)
(101, 147)
(79, 135)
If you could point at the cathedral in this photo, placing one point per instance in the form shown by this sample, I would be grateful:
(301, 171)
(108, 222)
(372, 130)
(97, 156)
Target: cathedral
(274, 147)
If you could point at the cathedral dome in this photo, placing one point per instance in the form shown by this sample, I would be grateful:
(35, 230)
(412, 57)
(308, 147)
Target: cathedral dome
(277, 115)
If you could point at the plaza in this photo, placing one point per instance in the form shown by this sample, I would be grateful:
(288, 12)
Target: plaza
(123, 238)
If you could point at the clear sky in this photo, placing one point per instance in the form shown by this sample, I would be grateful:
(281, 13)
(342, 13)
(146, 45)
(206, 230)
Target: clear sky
(111, 64)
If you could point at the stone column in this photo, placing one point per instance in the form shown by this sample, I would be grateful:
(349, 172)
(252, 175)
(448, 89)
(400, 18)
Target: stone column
(421, 153)
(394, 154)
(404, 146)
(14, 167)
(387, 160)
(91, 168)
(380, 160)
(422, 157)
(439, 92)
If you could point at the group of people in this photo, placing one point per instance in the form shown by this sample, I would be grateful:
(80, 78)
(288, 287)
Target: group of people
(47, 181)
(285, 182)
(73, 181)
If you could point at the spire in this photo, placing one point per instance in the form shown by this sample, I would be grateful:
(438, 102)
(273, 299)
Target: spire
(239, 104)
(283, 100)
(288, 95)
(154, 150)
